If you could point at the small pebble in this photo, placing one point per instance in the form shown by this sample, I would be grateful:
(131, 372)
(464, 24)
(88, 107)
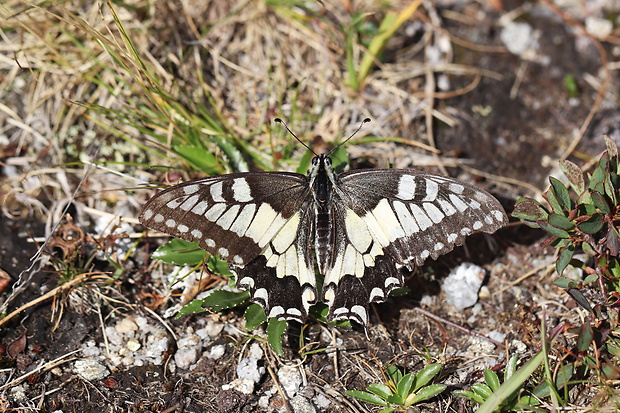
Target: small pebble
(461, 286)
(91, 370)
(290, 379)
(216, 352)
(126, 327)
(244, 386)
(186, 356)
(133, 345)
(302, 405)
(248, 369)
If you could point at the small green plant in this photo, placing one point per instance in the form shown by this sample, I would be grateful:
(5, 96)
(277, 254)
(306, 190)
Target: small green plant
(481, 392)
(583, 222)
(401, 391)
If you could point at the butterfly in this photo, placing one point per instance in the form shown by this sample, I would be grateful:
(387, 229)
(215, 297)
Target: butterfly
(361, 229)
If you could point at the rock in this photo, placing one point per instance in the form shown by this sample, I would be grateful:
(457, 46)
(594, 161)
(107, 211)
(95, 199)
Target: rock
(302, 405)
(461, 286)
(290, 379)
(248, 369)
(186, 356)
(91, 369)
(244, 386)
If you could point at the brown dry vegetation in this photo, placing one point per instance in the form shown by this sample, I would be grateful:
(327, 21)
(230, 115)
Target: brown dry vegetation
(92, 94)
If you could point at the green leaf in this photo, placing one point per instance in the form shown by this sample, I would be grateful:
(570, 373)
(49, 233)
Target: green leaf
(469, 395)
(482, 389)
(564, 259)
(490, 377)
(560, 221)
(592, 225)
(393, 373)
(395, 399)
(179, 252)
(512, 385)
(426, 375)
(380, 389)
(426, 393)
(527, 209)
(556, 232)
(220, 300)
(254, 316)
(199, 158)
(600, 202)
(565, 283)
(216, 265)
(403, 388)
(574, 175)
(585, 336)
(193, 307)
(580, 298)
(275, 329)
(340, 159)
(588, 250)
(366, 397)
(564, 376)
(561, 193)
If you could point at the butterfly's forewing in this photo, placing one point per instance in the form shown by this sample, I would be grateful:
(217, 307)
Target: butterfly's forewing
(256, 222)
(392, 219)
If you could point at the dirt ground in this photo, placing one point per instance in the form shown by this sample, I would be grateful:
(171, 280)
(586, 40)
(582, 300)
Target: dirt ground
(505, 134)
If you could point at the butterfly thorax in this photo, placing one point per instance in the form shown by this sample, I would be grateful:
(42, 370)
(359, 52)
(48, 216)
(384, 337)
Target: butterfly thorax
(322, 181)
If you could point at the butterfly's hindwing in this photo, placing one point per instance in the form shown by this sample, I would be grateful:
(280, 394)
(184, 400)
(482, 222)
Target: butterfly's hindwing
(282, 277)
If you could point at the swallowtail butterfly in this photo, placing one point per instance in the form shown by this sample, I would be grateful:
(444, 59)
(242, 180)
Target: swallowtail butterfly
(361, 228)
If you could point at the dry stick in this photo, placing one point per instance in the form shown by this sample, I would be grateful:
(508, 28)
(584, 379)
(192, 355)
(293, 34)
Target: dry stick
(272, 373)
(52, 293)
(601, 92)
(47, 366)
(450, 323)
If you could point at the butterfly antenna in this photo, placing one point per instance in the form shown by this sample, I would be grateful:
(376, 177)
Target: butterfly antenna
(294, 136)
(352, 135)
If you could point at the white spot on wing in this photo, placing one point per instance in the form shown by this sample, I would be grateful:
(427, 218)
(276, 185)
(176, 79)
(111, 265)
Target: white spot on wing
(406, 187)
(458, 203)
(216, 191)
(361, 313)
(223, 252)
(388, 222)
(456, 188)
(200, 208)
(439, 246)
(215, 211)
(406, 219)
(433, 212)
(190, 189)
(174, 203)
(357, 231)
(499, 215)
(158, 218)
(419, 215)
(477, 225)
(237, 260)
(244, 219)
(276, 311)
(183, 228)
(171, 223)
(210, 243)
(348, 262)
(189, 203)
(226, 220)
(241, 190)
(149, 213)
(286, 236)
(262, 221)
(376, 293)
(196, 233)
(446, 207)
(431, 190)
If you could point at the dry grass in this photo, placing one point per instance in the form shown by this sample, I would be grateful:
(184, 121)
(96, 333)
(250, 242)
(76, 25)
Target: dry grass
(94, 95)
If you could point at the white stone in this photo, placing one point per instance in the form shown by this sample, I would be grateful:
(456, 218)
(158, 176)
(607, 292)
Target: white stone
(248, 368)
(186, 356)
(517, 37)
(216, 351)
(598, 27)
(244, 386)
(461, 286)
(133, 345)
(302, 405)
(91, 369)
(291, 380)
